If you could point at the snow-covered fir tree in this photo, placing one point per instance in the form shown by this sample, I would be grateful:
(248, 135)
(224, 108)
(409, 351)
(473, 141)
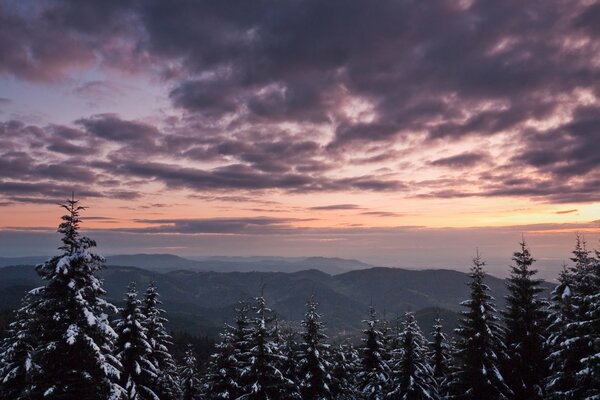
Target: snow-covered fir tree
(439, 356)
(589, 373)
(290, 351)
(525, 321)
(345, 363)
(572, 334)
(374, 377)
(134, 351)
(479, 349)
(242, 338)
(562, 361)
(268, 382)
(415, 378)
(314, 368)
(191, 386)
(222, 379)
(17, 353)
(166, 385)
(75, 339)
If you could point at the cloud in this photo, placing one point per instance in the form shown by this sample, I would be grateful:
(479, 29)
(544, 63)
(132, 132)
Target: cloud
(336, 207)
(574, 210)
(462, 160)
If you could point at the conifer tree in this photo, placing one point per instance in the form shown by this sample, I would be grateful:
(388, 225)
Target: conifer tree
(17, 353)
(525, 320)
(415, 376)
(76, 341)
(242, 340)
(572, 333)
(134, 351)
(268, 382)
(374, 376)
(190, 381)
(223, 367)
(479, 349)
(589, 373)
(290, 351)
(562, 361)
(439, 356)
(314, 369)
(165, 385)
(346, 363)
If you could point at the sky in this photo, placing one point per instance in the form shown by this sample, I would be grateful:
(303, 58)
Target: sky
(399, 132)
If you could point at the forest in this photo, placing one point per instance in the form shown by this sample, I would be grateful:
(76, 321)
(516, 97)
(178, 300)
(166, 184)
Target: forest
(67, 341)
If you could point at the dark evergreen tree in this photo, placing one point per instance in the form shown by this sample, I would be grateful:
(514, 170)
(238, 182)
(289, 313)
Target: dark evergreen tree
(589, 374)
(76, 341)
(191, 386)
(134, 351)
(345, 362)
(165, 385)
(415, 378)
(374, 376)
(439, 356)
(242, 342)
(525, 320)
(17, 353)
(572, 333)
(479, 349)
(290, 351)
(268, 382)
(222, 376)
(314, 368)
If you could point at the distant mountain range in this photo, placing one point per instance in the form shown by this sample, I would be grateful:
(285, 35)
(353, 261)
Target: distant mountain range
(201, 301)
(169, 262)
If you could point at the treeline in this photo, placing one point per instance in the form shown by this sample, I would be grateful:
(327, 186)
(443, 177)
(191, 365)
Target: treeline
(64, 344)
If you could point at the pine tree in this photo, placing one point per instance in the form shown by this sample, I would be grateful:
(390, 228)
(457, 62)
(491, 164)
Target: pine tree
(314, 369)
(165, 385)
(74, 351)
(268, 381)
(345, 362)
(134, 351)
(479, 349)
(525, 320)
(415, 375)
(562, 361)
(223, 367)
(242, 338)
(572, 338)
(589, 374)
(190, 381)
(17, 353)
(290, 350)
(374, 376)
(439, 356)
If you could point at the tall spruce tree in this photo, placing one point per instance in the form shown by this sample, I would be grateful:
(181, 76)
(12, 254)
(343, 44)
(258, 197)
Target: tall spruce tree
(134, 351)
(525, 320)
(290, 350)
(242, 341)
(165, 385)
(76, 341)
(314, 368)
(223, 369)
(415, 378)
(191, 386)
(374, 376)
(479, 349)
(268, 382)
(17, 365)
(589, 373)
(345, 362)
(439, 356)
(572, 334)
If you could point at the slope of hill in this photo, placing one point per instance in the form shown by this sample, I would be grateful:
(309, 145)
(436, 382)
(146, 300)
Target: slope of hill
(201, 301)
(169, 262)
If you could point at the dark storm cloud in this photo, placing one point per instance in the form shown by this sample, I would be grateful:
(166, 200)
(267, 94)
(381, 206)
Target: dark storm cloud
(462, 160)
